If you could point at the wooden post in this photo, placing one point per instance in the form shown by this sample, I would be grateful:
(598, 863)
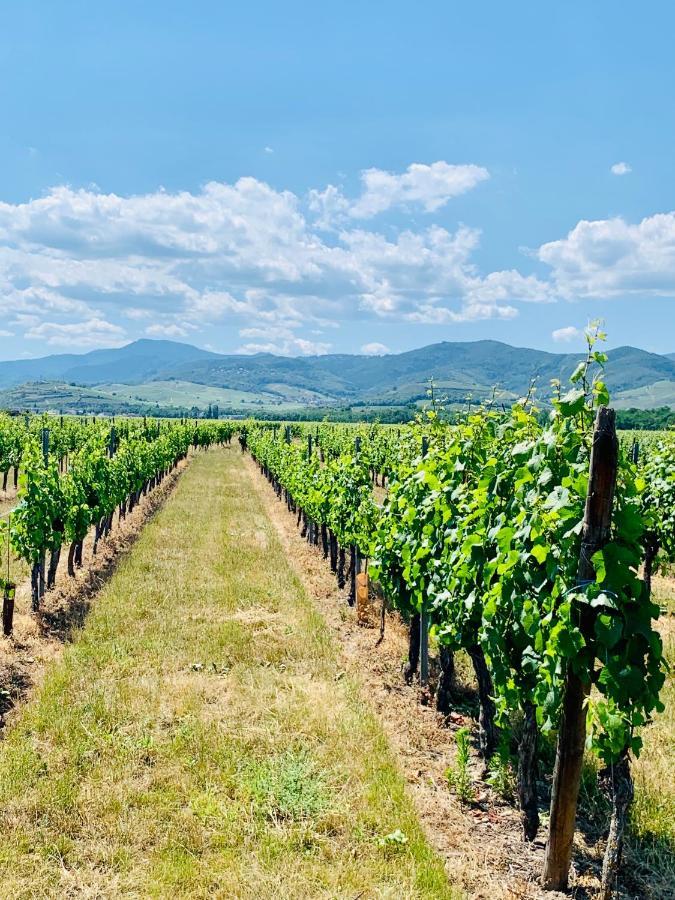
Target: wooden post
(424, 615)
(572, 734)
(362, 599)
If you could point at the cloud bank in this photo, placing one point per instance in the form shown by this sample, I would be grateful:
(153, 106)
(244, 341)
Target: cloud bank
(81, 268)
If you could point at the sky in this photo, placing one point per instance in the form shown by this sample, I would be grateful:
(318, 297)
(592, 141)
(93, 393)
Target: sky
(306, 178)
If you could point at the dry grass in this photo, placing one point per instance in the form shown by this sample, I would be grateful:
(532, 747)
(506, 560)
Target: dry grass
(653, 845)
(198, 738)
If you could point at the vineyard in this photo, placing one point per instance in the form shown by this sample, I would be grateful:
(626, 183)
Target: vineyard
(520, 551)
(76, 475)
(529, 547)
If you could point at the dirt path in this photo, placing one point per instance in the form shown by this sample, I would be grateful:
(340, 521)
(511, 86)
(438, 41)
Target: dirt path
(198, 738)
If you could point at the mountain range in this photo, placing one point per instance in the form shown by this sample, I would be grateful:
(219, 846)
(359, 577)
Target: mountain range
(174, 374)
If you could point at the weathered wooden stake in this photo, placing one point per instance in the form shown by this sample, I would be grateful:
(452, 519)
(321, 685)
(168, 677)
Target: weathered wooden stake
(362, 599)
(572, 734)
(424, 615)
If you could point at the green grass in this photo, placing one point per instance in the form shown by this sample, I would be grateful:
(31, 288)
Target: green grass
(194, 740)
(186, 394)
(183, 393)
(660, 393)
(125, 399)
(653, 812)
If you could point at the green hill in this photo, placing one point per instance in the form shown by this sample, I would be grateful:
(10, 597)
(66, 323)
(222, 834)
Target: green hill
(178, 375)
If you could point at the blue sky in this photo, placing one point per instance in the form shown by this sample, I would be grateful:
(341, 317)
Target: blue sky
(304, 178)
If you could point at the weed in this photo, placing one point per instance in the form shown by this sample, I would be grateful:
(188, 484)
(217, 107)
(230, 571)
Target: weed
(459, 777)
(393, 841)
(288, 787)
(501, 777)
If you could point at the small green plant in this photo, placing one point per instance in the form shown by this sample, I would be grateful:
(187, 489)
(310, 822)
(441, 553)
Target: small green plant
(500, 773)
(459, 777)
(288, 787)
(394, 839)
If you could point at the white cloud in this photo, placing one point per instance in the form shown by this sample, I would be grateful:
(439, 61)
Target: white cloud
(282, 342)
(82, 268)
(375, 349)
(611, 257)
(269, 150)
(83, 335)
(621, 168)
(245, 254)
(427, 186)
(172, 330)
(136, 314)
(4, 333)
(330, 207)
(567, 334)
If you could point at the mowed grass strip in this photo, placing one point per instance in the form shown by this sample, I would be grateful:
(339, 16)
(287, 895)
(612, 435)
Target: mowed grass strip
(653, 811)
(197, 738)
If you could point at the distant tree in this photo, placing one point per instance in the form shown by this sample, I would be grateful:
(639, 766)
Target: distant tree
(646, 419)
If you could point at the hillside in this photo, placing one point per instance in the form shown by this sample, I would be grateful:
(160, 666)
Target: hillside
(178, 375)
(137, 362)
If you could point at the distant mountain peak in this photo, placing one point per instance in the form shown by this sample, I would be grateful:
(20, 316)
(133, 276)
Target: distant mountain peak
(459, 368)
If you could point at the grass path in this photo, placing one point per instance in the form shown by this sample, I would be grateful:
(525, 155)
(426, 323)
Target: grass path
(197, 739)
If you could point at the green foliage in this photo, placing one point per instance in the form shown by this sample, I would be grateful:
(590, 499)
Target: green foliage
(501, 777)
(485, 531)
(104, 469)
(288, 787)
(648, 419)
(394, 840)
(459, 777)
(336, 491)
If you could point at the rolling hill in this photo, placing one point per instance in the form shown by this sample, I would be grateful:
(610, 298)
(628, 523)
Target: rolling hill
(181, 376)
(137, 362)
